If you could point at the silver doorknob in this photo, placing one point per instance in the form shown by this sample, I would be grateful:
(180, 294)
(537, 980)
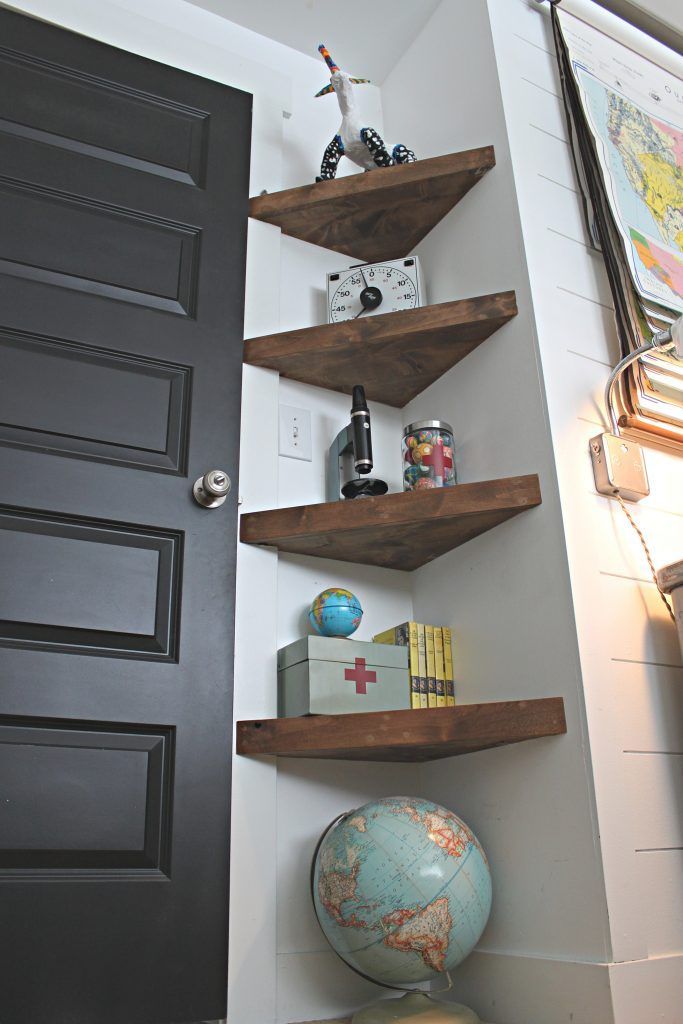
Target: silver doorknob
(212, 489)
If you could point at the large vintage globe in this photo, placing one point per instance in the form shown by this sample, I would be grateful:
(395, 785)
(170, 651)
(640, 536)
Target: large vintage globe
(402, 890)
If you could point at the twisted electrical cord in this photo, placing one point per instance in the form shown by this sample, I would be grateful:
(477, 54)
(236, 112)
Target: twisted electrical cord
(646, 549)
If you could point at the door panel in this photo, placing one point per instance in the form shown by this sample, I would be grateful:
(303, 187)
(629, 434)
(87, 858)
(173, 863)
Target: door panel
(61, 107)
(44, 379)
(150, 262)
(123, 204)
(99, 798)
(89, 587)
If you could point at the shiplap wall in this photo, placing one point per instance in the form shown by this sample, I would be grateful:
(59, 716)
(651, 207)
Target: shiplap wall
(507, 594)
(630, 657)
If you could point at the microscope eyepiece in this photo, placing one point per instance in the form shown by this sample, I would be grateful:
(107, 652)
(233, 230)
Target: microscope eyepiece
(362, 435)
(358, 400)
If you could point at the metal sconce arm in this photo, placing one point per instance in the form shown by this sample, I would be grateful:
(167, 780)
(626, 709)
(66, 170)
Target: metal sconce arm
(619, 465)
(670, 340)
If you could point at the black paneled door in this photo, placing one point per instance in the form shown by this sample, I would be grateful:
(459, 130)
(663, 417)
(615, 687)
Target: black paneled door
(123, 211)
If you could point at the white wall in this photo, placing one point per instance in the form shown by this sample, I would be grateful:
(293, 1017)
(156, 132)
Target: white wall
(630, 658)
(507, 594)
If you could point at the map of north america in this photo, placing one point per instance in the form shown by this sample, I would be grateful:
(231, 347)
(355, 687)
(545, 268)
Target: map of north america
(422, 930)
(652, 154)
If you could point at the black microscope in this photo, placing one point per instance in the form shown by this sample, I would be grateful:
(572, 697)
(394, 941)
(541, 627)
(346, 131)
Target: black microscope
(350, 456)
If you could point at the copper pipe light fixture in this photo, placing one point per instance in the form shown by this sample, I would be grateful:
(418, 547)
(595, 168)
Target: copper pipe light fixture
(619, 464)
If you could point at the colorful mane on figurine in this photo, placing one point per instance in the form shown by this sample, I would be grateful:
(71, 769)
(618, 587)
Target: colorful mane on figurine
(361, 144)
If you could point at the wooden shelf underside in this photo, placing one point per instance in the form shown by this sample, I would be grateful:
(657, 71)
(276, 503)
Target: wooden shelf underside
(380, 215)
(395, 531)
(394, 355)
(404, 735)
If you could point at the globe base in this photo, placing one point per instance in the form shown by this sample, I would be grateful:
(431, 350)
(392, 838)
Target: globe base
(415, 1008)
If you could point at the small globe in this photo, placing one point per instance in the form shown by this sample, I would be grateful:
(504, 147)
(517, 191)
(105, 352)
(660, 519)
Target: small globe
(402, 890)
(335, 612)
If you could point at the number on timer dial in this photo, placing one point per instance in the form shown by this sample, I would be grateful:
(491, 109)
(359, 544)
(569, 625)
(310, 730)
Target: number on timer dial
(396, 289)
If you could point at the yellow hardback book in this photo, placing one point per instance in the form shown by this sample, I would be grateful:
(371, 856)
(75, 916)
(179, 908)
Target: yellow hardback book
(422, 656)
(405, 635)
(440, 668)
(448, 664)
(431, 666)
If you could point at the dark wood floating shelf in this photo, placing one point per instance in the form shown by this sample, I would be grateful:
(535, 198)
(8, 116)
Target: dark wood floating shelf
(380, 215)
(396, 531)
(401, 353)
(405, 735)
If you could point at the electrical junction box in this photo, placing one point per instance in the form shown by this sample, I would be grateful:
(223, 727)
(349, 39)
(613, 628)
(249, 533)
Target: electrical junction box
(320, 675)
(619, 467)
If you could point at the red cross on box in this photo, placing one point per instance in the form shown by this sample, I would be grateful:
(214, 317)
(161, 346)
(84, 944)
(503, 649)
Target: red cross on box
(360, 675)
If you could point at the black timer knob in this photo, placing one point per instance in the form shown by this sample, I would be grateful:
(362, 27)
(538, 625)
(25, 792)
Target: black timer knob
(370, 298)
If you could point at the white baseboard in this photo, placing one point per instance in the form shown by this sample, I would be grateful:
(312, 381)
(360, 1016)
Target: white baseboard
(648, 990)
(507, 989)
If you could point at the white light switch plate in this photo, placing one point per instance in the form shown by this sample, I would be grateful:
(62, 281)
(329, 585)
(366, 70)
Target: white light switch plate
(295, 433)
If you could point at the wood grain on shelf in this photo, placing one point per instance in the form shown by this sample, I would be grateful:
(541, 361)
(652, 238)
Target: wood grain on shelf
(425, 735)
(394, 355)
(396, 531)
(380, 215)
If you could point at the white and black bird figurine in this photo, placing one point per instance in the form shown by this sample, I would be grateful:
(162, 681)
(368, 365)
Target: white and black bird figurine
(363, 145)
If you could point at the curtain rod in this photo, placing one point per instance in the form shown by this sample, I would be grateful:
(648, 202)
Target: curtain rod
(641, 19)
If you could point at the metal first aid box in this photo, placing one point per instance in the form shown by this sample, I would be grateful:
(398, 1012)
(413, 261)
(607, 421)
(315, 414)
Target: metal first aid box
(321, 675)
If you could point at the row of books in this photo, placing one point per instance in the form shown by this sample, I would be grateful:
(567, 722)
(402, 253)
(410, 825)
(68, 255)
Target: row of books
(430, 662)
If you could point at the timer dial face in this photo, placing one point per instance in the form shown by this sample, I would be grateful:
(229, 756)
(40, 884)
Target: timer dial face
(397, 285)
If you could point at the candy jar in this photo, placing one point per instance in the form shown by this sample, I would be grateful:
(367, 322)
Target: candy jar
(428, 457)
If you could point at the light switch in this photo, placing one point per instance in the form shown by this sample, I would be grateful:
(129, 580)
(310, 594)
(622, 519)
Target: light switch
(295, 433)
